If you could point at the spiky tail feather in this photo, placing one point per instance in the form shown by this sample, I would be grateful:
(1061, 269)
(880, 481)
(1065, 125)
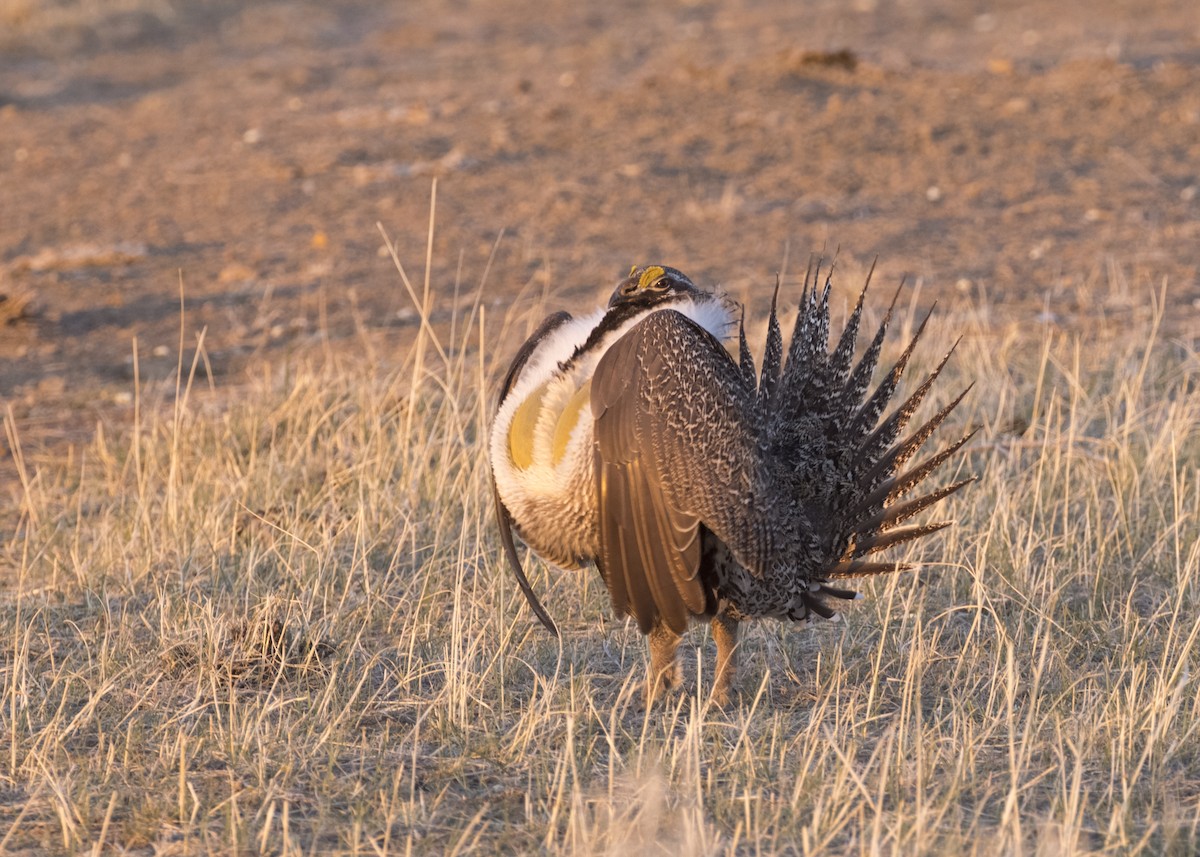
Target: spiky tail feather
(844, 458)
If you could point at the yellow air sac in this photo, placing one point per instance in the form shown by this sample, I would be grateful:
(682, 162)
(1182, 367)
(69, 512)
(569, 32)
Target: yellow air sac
(520, 433)
(568, 419)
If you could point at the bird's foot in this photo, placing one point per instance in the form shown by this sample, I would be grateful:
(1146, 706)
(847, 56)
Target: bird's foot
(725, 694)
(662, 684)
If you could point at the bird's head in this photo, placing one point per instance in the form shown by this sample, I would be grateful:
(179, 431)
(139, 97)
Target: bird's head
(652, 285)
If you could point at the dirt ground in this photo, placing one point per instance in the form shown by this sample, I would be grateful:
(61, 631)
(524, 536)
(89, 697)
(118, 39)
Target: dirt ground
(1040, 159)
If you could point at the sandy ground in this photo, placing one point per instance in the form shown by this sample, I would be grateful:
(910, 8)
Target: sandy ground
(1042, 160)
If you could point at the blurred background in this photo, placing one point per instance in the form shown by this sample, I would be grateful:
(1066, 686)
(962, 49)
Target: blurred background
(1041, 161)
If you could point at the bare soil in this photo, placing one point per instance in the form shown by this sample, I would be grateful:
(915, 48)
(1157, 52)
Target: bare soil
(1041, 159)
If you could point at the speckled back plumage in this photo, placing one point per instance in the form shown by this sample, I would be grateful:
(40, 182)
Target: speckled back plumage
(792, 471)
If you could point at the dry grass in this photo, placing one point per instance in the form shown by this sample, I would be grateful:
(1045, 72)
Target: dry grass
(16, 303)
(22, 17)
(71, 27)
(279, 621)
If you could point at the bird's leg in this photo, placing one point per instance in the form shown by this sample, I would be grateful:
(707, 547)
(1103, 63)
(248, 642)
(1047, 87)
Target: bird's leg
(724, 631)
(664, 665)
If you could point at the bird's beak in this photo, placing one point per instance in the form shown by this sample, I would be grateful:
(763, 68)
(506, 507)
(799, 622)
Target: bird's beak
(639, 278)
(625, 288)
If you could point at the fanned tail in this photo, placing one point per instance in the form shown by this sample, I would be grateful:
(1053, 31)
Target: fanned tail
(841, 458)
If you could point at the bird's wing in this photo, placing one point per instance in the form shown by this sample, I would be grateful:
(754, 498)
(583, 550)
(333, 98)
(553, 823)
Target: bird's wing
(675, 449)
(503, 516)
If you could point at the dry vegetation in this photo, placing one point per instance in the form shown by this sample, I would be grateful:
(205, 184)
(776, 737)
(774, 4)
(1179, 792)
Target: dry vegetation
(277, 620)
(26, 19)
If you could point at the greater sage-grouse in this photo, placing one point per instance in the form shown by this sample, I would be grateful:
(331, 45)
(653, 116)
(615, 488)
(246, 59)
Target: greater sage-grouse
(632, 439)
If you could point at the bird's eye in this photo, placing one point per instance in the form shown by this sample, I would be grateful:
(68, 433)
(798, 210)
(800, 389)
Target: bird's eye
(661, 284)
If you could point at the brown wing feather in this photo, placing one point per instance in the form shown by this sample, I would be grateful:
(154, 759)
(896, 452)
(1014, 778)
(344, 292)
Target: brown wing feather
(503, 516)
(675, 447)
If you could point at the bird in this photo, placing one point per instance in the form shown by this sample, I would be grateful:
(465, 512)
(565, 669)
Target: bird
(641, 439)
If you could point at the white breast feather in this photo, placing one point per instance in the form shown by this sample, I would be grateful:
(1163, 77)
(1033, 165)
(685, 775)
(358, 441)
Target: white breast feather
(561, 498)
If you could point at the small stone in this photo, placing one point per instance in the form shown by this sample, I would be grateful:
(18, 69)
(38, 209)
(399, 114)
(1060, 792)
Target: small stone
(418, 114)
(252, 136)
(933, 193)
(235, 273)
(51, 386)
